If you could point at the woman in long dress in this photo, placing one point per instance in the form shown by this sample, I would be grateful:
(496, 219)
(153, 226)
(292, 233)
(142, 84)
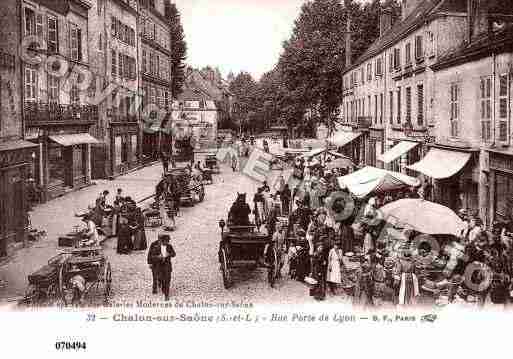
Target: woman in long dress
(140, 242)
(124, 236)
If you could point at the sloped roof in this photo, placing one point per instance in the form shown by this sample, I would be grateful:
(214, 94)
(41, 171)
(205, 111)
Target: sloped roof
(401, 28)
(482, 46)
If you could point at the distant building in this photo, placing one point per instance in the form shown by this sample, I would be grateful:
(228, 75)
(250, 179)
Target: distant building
(195, 114)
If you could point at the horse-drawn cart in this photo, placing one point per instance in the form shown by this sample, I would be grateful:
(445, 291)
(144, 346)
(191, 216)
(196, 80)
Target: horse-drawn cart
(69, 277)
(242, 246)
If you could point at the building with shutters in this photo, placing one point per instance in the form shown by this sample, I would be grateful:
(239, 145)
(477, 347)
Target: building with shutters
(113, 43)
(17, 156)
(57, 116)
(431, 98)
(154, 32)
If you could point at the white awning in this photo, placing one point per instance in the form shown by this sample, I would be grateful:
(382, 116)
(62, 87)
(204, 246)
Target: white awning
(342, 138)
(370, 179)
(73, 139)
(440, 163)
(397, 151)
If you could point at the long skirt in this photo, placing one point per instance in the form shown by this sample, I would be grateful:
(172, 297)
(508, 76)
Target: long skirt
(140, 242)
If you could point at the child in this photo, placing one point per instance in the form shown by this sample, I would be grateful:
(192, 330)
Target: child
(335, 266)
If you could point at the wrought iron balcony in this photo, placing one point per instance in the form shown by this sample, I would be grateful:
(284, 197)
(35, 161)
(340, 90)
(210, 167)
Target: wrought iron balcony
(117, 118)
(51, 114)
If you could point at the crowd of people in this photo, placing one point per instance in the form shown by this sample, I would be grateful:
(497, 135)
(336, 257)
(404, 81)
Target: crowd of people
(357, 258)
(122, 219)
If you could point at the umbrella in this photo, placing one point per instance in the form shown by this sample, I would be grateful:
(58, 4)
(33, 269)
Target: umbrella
(424, 216)
(340, 163)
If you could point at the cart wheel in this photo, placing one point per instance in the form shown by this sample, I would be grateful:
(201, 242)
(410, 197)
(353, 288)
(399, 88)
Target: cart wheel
(107, 281)
(272, 273)
(225, 270)
(62, 288)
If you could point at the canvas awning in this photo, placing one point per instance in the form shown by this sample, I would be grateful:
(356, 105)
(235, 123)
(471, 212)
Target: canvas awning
(440, 163)
(15, 145)
(397, 151)
(342, 138)
(73, 139)
(375, 180)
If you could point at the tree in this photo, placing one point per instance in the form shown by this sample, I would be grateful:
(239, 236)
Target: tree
(178, 49)
(313, 60)
(246, 97)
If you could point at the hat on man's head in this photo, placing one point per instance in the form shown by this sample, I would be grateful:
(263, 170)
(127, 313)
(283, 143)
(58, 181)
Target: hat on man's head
(164, 237)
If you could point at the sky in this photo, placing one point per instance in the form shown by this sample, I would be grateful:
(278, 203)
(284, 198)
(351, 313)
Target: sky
(237, 35)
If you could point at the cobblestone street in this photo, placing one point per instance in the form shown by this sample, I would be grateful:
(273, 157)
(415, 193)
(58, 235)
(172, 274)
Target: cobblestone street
(196, 274)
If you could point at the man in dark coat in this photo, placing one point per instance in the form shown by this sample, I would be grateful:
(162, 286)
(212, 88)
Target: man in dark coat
(159, 259)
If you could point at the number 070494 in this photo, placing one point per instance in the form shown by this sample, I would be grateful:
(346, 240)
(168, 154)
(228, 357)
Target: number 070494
(70, 345)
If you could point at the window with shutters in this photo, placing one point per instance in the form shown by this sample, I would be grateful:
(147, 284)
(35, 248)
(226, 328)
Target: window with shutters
(362, 75)
(397, 59)
(166, 99)
(430, 44)
(30, 21)
(408, 54)
(486, 108)
(420, 105)
(391, 60)
(408, 104)
(369, 71)
(503, 107)
(113, 26)
(31, 93)
(53, 89)
(375, 108)
(399, 105)
(144, 61)
(455, 110)
(75, 42)
(152, 63)
(74, 96)
(120, 65)
(381, 108)
(369, 113)
(379, 67)
(153, 96)
(157, 65)
(39, 25)
(114, 69)
(391, 101)
(53, 46)
(100, 42)
(419, 48)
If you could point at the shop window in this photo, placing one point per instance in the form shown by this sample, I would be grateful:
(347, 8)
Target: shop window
(503, 108)
(78, 161)
(503, 191)
(56, 164)
(485, 91)
(124, 150)
(133, 152)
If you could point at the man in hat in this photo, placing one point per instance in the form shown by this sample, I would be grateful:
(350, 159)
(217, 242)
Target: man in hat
(159, 260)
(302, 215)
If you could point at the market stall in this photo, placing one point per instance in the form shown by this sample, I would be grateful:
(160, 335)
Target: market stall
(371, 180)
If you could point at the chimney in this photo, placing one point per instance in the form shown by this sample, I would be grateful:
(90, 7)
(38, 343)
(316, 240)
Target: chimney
(408, 6)
(385, 21)
(349, 52)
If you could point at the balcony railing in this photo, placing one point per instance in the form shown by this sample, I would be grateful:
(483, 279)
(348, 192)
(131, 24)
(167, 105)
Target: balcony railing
(122, 118)
(44, 114)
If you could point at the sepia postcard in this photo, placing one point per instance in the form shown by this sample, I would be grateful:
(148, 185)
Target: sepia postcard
(243, 176)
